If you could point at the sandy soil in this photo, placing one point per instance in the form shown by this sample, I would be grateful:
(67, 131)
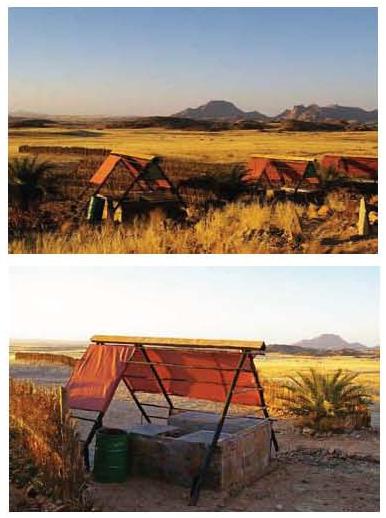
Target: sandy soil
(327, 473)
(338, 473)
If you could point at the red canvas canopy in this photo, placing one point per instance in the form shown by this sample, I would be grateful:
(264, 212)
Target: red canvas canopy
(278, 173)
(214, 370)
(96, 377)
(146, 171)
(192, 373)
(354, 167)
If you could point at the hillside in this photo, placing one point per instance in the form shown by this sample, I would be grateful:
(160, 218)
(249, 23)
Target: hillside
(225, 110)
(333, 112)
(217, 116)
(21, 122)
(329, 342)
(219, 110)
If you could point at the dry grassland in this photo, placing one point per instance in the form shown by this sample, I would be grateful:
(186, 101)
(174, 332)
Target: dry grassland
(284, 227)
(275, 367)
(227, 146)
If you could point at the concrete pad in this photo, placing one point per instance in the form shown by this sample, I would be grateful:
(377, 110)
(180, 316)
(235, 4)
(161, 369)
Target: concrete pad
(203, 437)
(195, 421)
(152, 429)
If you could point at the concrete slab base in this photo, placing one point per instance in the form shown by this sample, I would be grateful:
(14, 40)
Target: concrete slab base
(152, 429)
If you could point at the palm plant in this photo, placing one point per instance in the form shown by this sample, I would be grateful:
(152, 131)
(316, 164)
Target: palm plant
(25, 185)
(318, 396)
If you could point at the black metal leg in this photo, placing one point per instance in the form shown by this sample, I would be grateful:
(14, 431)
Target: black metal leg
(262, 400)
(86, 454)
(157, 376)
(137, 402)
(197, 482)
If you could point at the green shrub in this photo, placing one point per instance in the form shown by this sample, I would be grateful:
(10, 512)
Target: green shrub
(25, 181)
(324, 400)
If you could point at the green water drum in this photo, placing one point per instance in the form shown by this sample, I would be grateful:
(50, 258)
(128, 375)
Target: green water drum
(111, 461)
(95, 208)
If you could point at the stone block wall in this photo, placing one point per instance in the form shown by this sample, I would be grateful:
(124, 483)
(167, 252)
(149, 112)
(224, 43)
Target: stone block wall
(175, 452)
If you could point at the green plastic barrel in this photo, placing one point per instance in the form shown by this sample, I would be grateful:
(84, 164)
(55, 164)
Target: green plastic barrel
(111, 461)
(95, 208)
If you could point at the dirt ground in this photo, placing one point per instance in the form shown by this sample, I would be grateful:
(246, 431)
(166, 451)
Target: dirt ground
(338, 473)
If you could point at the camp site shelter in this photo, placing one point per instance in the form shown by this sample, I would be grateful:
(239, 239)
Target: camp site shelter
(352, 168)
(295, 175)
(220, 371)
(138, 181)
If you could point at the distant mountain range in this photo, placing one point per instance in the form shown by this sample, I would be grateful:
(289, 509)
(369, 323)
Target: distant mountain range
(219, 110)
(330, 342)
(322, 345)
(222, 113)
(325, 345)
(315, 113)
(225, 110)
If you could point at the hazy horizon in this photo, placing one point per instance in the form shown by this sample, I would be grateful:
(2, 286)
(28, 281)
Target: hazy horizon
(65, 341)
(158, 61)
(96, 115)
(274, 304)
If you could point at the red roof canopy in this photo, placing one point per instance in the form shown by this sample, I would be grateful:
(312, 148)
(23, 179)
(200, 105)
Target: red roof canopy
(281, 172)
(193, 373)
(357, 167)
(148, 168)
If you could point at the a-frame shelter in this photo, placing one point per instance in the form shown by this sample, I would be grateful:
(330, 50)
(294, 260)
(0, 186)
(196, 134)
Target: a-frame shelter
(134, 177)
(291, 175)
(222, 371)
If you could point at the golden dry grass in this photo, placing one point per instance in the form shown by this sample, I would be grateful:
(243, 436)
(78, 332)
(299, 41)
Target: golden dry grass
(227, 146)
(49, 437)
(275, 368)
(234, 229)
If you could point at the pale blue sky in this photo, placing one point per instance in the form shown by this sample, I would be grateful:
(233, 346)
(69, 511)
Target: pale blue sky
(278, 304)
(147, 61)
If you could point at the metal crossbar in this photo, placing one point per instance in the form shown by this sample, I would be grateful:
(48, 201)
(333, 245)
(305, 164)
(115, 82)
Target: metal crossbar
(182, 366)
(187, 343)
(184, 409)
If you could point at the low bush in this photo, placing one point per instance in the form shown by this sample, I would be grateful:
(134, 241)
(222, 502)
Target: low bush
(44, 431)
(326, 401)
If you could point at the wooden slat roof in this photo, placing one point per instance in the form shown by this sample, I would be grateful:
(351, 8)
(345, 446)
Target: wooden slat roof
(257, 345)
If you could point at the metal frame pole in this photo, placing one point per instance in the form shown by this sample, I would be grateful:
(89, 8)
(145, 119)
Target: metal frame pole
(141, 173)
(136, 401)
(199, 479)
(126, 192)
(262, 400)
(157, 376)
(98, 423)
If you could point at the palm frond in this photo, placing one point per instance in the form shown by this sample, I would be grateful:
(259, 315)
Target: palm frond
(319, 395)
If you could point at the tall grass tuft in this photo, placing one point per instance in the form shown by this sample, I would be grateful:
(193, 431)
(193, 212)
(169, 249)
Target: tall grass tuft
(48, 358)
(236, 228)
(48, 435)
